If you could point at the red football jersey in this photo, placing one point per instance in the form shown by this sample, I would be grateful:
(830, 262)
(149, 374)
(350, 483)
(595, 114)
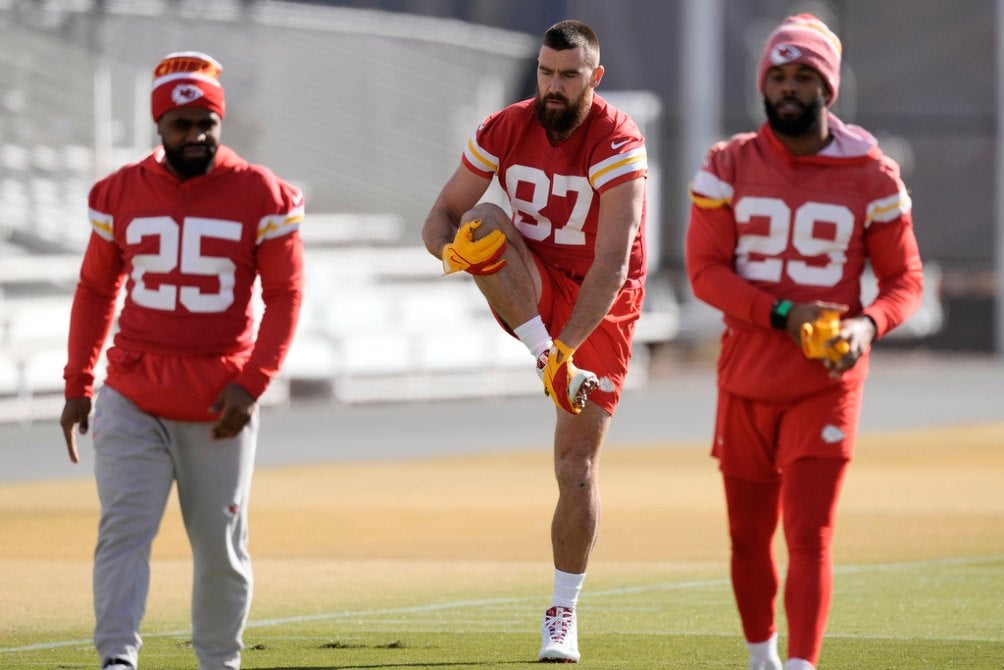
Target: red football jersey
(555, 191)
(767, 224)
(188, 253)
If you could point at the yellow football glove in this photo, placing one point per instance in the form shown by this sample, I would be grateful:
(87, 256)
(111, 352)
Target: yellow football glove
(816, 337)
(565, 384)
(480, 257)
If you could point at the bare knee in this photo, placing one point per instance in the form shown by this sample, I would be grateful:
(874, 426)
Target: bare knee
(492, 216)
(575, 474)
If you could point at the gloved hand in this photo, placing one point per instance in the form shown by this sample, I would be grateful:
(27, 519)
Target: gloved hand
(481, 257)
(565, 384)
(816, 337)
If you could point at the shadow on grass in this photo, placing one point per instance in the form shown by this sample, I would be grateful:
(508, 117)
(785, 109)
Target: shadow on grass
(379, 666)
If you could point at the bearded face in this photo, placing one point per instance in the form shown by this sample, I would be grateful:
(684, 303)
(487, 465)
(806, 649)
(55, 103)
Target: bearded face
(791, 117)
(558, 114)
(190, 137)
(565, 82)
(191, 160)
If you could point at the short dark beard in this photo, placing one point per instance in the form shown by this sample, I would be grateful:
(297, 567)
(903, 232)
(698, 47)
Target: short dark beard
(559, 122)
(187, 167)
(801, 124)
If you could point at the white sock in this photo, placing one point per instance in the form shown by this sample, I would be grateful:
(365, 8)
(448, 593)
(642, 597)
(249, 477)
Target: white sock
(534, 335)
(798, 664)
(764, 654)
(566, 588)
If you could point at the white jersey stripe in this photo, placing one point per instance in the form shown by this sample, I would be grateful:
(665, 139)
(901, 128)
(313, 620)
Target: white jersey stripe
(102, 224)
(616, 166)
(479, 157)
(711, 187)
(887, 209)
(277, 225)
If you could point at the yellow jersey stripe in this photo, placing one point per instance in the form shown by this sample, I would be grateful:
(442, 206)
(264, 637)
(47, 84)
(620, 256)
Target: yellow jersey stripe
(616, 166)
(278, 225)
(102, 224)
(479, 157)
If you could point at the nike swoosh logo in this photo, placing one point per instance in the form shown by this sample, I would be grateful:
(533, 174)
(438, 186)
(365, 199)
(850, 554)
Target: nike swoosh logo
(618, 145)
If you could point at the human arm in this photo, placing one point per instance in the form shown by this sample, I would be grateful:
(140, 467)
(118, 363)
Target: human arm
(91, 317)
(895, 260)
(896, 263)
(459, 195)
(891, 248)
(620, 214)
(710, 260)
(280, 266)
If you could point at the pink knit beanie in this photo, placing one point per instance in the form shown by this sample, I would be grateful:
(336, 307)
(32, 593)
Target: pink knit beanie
(804, 39)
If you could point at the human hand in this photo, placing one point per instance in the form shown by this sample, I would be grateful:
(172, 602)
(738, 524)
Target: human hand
(821, 338)
(566, 385)
(75, 411)
(857, 333)
(478, 257)
(802, 313)
(236, 407)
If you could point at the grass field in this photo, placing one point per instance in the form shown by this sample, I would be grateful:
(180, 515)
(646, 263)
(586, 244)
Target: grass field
(445, 563)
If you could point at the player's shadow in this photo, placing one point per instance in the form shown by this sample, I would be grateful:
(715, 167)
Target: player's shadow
(384, 666)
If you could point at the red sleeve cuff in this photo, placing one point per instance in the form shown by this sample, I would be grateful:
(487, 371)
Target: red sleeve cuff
(253, 381)
(78, 386)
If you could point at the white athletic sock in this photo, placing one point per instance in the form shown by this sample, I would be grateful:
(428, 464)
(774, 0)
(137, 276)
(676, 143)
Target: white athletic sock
(798, 664)
(566, 588)
(763, 655)
(534, 335)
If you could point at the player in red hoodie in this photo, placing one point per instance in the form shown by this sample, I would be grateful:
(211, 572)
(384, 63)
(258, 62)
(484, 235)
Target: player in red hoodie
(782, 224)
(187, 230)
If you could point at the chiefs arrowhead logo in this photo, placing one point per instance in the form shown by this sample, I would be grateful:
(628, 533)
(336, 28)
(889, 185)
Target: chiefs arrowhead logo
(784, 53)
(184, 94)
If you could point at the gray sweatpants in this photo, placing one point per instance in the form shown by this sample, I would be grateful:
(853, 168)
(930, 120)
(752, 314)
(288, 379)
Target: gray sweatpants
(137, 458)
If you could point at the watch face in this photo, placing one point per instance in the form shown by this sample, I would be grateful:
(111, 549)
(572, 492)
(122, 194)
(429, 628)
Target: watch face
(779, 314)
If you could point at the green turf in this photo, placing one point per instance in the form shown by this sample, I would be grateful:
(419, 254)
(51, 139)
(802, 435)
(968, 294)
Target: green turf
(905, 616)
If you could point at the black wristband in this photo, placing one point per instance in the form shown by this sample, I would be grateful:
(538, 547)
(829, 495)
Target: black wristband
(779, 313)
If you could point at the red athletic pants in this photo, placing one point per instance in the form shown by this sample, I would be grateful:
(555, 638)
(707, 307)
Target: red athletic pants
(806, 497)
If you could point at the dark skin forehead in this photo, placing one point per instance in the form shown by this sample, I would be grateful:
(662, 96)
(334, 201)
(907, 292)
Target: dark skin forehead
(182, 120)
(799, 70)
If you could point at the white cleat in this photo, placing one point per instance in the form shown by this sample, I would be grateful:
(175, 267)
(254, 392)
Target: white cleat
(772, 663)
(559, 636)
(582, 384)
(116, 664)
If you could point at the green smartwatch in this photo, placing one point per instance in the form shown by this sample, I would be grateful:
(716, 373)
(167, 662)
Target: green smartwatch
(779, 313)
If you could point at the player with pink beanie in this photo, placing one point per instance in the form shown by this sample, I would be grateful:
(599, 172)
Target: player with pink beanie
(804, 39)
(783, 223)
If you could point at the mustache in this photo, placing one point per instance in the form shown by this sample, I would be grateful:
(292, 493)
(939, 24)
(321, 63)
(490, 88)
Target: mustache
(555, 97)
(790, 100)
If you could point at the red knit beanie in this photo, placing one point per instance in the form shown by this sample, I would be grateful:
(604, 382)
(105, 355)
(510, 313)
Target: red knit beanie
(804, 39)
(186, 78)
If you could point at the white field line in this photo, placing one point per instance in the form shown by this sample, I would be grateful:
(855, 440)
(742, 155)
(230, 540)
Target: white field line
(487, 602)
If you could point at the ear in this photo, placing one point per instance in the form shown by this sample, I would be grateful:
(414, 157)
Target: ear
(827, 93)
(597, 75)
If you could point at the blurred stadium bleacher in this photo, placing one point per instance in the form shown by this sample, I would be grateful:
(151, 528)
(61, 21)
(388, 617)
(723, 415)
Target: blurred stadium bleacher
(366, 110)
